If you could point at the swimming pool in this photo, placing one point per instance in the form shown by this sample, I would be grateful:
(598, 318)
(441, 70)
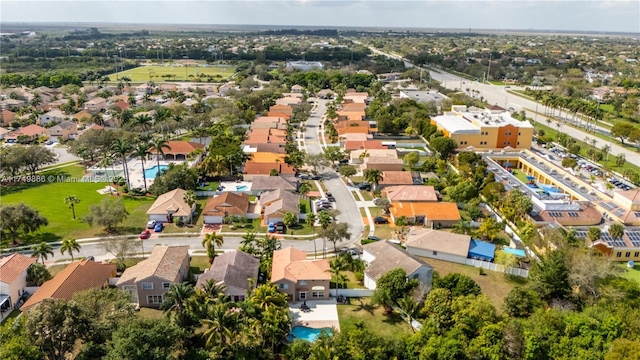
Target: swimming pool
(152, 172)
(242, 188)
(306, 333)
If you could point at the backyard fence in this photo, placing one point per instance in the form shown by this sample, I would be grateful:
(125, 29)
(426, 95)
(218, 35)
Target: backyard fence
(497, 267)
(351, 292)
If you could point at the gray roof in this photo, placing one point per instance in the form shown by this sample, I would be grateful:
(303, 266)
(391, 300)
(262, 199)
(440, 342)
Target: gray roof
(280, 200)
(265, 182)
(435, 240)
(164, 263)
(389, 256)
(233, 268)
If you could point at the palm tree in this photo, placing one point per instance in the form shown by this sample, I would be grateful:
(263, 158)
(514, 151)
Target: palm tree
(190, 199)
(266, 296)
(141, 151)
(209, 242)
(122, 147)
(212, 289)
(373, 176)
(158, 145)
(616, 230)
(410, 309)
(42, 251)
(220, 324)
(325, 219)
(144, 122)
(69, 246)
(605, 150)
(72, 200)
(175, 299)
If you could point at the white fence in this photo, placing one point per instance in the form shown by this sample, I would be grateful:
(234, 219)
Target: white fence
(351, 292)
(497, 267)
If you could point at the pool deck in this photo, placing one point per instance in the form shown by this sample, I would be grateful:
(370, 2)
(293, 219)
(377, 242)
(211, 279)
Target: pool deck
(323, 314)
(245, 186)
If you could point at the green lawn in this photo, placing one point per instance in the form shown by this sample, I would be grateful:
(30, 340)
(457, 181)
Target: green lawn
(48, 198)
(182, 73)
(352, 282)
(375, 211)
(631, 273)
(152, 314)
(373, 317)
(253, 226)
(199, 264)
(385, 231)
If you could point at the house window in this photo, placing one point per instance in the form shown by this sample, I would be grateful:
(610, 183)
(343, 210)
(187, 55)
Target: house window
(284, 286)
(154, 299)
(302, 282)
(627, 254)
(619, 254)
(435, 253)
(166, 285)
(519, 134)
(317, 294)
(636, 254)
(303, 295)
(238, 298)
(147, 286)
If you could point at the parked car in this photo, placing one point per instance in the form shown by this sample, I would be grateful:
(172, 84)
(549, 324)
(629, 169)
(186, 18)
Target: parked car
(271, 228)
(49, 142)
(364, 186)
(145, 234)
(330, 197)
(151, 224)
(280, 227)
(373, 238)
(380, 220)
(315, 177)
(344, 161)
(304, 176)
(158, 227)
(320, 207)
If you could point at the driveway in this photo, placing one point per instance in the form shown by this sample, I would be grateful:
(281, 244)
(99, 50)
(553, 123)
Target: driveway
(63, 155)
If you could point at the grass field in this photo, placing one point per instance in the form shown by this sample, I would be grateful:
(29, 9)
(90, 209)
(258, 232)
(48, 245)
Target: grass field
(48, 199)
(633, 274)
(373, 317)
(174, 73)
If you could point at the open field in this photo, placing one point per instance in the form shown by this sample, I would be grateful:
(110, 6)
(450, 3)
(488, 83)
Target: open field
(158, 73)
(631, 273)
(48, 199)
(373, 317)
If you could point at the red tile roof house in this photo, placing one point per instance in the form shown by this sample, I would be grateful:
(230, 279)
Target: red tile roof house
(77, 276)
(31, 131)
(149, 280)
(178, 150)
(225, 204)
(251, 169)
(13, 279)
(300, 278)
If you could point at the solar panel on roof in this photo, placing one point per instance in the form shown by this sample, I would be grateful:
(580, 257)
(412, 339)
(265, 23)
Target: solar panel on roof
(573, 214)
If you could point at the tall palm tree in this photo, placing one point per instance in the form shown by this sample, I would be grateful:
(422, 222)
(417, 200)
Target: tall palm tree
(210, 242)
(373, 176)
(158, 145)
(190, 199)
(72, 200)
(144, 122)
(141, 151)
(220, 324)
(175, 299)
(212, 289)
(69, 246)
(122, 147)
(267, 296)
(42, 251)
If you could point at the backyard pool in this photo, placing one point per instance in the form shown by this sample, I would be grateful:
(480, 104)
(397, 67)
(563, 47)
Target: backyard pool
(152, 172)
(306, 333)
(242, 188)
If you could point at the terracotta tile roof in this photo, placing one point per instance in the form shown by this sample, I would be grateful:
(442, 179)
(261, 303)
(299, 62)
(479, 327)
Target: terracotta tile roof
(435, 240)
(354, 107)
(255, 168)
(397, 178)
(30, 130)
(14, 265)
(122, 105)
(388, 257)
(292, 264)
(269, 119)
(354, 130)
(233, 268)
(633, 195)
(442, 211)
(164, 263)
(279, 114)
(173, 202)
(76, 277)
(367, 145)
(274, 148)
(227, 203)
(280, 107)
(266, 157)
(410, 193)
(179, 147)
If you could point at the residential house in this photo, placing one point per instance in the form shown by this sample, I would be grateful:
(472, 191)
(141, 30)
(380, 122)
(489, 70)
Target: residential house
(51, 117)
(13, 278)
(254, 148)
(300, 278)
(178, 150)
(64, 131)
(410, 193)
(261, 183)
(395, 178)
(144, 89)
(437, 244)
(351, 145)
(359, 156)
(3, 133)
(289, 101)
(32, 132)
(325, 94)
(275, 204)
(82, 117)
(285, 109)
(384, 256)
(77, 276)
(237, 271)
(252, 169)
(149, 280)
(169, 206)
(298, 89)
(226, 204)
(96, 105)
(10, 104)
(7, 117)
(442, 214)
(381, 163)
(355, 97)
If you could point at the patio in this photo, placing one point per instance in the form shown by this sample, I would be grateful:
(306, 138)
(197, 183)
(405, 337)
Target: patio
(323, 313)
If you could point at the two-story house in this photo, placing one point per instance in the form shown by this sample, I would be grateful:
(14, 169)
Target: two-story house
(148, 281)
(300, 278)
(13, 279)
(64, 131)
(96, 105)
(51, 117)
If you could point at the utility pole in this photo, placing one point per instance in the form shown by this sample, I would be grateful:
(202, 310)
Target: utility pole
(115, 62)
(488, 69)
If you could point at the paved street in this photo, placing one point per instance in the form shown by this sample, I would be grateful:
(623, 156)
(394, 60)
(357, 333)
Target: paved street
(63, 155)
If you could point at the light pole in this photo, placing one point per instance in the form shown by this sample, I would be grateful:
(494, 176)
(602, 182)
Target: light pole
(115, 62)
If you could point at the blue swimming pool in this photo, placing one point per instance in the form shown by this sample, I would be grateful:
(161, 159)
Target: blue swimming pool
(306, 333)
(152, 172)
(242, 188)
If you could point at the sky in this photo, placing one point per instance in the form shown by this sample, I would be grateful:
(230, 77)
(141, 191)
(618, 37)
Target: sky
(603, 15)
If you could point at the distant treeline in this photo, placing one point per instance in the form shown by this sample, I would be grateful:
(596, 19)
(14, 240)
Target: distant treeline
(53, 80)
(95, 34)
(319, 32)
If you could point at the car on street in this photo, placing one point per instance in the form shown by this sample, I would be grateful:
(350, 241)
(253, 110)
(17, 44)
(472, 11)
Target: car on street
(380, 220)
(271, 227)
(145, 234)
(373, 238)
(151, 224)
(304, 176)
(158, 227)
(315, 177)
